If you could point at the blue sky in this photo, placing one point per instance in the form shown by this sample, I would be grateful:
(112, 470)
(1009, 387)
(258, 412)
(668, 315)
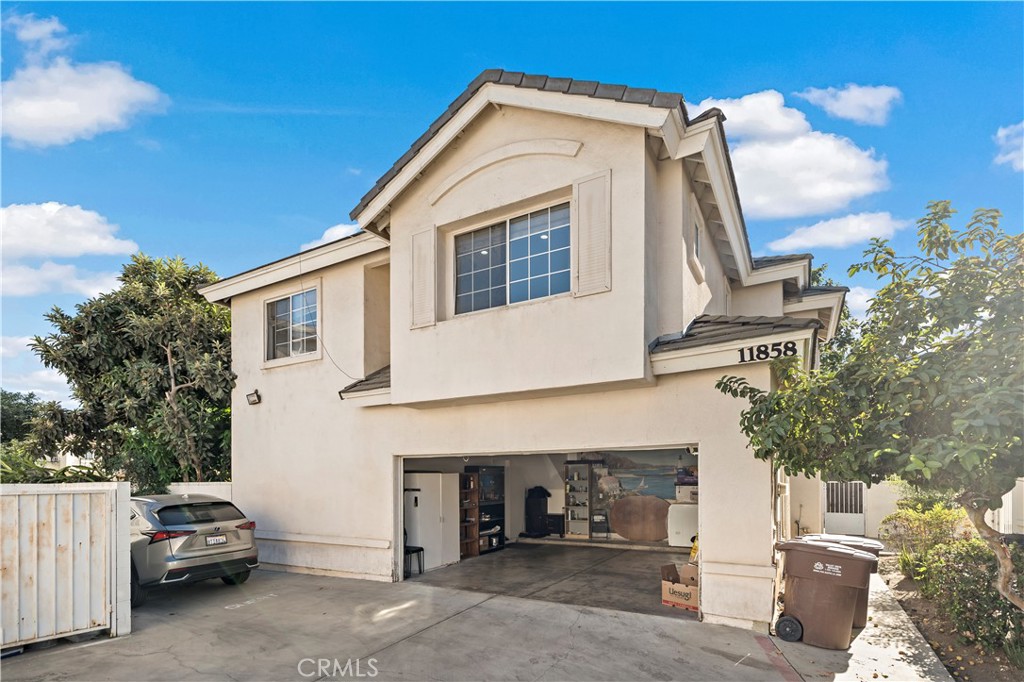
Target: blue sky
(233, 134)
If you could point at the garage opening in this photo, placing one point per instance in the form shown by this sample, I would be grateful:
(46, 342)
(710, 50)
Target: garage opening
(590, 528)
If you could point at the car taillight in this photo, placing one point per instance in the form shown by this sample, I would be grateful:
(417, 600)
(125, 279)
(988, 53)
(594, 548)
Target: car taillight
(157, 536)
(250, 525)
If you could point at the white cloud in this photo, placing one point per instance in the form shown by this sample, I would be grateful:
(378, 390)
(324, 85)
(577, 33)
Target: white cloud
(52, 101)
(47, 384)
(863, 104)
(52, 229)
(839, 232)
(785, 169)
(13, 346)
(761, 115)
(40, 37)
(332, 234)
(1011, 146)
(858, 299)
(62, 102)
(24, 280)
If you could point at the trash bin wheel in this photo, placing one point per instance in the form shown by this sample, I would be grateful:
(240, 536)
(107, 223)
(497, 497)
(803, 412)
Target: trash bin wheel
(789, 629)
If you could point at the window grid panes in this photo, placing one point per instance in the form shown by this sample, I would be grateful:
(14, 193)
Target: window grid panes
(291, 325)
(537, 260)
(539, 254)
(480, 269)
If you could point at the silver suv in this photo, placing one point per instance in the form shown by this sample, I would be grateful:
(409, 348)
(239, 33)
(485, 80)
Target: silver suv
(186, 538)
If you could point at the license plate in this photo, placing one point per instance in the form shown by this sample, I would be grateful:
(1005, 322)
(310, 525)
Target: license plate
(216, 540)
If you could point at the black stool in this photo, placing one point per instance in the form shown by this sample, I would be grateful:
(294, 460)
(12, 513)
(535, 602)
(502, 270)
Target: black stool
(411, 550)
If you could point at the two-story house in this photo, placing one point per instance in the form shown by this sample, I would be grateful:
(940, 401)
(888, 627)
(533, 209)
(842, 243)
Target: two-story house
(555, 267)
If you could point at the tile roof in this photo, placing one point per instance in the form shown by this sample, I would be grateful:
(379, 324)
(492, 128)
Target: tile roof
(711, 329)
(619, 93)
(768, 261)
(374, 381)
(815, 291)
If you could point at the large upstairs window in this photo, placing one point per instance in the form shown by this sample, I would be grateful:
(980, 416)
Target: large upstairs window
(520, 259)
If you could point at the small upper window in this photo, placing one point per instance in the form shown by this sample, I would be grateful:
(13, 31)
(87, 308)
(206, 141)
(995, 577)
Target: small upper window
(516, 260)
(291, 325)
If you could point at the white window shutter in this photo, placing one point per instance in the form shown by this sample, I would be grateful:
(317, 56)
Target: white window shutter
(592, 250)
(424, 299)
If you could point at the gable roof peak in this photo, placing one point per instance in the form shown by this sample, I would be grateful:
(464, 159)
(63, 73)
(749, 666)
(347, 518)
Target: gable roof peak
(519, 79)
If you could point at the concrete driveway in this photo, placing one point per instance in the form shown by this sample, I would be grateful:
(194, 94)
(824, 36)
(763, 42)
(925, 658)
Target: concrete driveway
(605, 577)
(278, 626)
(286, 626)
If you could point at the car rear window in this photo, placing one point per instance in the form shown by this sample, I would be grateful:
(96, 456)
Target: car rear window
(199, 512)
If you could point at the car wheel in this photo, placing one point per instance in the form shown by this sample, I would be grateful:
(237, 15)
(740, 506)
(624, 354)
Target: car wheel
(138, 593)
(236, 578)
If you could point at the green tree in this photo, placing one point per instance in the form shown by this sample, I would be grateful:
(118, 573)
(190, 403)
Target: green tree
(16, 413)
(932, 390)
(150, 365)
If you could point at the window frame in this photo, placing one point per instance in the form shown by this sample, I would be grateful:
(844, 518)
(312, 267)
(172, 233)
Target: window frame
(505, 216)
(313, 284)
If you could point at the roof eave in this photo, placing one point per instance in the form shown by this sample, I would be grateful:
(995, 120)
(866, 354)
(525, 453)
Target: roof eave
(295, 265)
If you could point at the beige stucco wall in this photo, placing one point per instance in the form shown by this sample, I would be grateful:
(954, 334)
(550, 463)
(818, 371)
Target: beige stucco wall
(584, 341)
(761, 299)
(879, 501)
(376, 316)
(806, 504)
(674, 294)
(321, 478)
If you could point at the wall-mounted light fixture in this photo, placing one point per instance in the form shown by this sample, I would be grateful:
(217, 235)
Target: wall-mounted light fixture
(254, 398)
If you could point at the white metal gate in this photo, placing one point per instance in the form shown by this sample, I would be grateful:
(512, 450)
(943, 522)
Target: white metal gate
(65, 567)
(844, 507)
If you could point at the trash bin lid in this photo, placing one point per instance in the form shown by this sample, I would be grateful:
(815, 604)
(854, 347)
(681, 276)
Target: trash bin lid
(835, 563)
(866, 544)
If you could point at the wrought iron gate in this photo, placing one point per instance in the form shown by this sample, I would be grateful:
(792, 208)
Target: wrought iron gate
(844, 507)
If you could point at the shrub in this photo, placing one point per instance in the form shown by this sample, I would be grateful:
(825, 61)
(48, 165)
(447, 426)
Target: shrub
(910, 563)
(18, 465)
(917, 531)
(1014, 649)
(958, 576)
(912, 497)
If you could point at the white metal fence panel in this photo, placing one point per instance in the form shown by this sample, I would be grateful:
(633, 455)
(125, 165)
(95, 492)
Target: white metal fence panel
(65, 566)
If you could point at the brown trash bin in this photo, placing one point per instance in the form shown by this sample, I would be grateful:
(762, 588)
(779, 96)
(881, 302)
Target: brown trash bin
(823, 582)
(860, 615)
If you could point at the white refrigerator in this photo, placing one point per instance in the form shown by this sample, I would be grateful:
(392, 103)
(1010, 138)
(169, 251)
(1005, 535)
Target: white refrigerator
(682, 524)
(432, 517)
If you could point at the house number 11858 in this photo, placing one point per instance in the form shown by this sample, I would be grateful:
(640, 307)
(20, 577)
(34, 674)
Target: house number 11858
(766, 352)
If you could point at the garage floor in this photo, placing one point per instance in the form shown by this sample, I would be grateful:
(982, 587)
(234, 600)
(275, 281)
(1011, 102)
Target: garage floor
(619, 579)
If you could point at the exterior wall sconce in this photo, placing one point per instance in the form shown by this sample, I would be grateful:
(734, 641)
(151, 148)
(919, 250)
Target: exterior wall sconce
(254, 398)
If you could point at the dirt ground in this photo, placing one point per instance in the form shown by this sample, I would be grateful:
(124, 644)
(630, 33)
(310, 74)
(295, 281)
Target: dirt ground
(964, 661)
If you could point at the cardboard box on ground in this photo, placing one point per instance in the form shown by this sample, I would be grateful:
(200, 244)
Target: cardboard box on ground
(680, 586)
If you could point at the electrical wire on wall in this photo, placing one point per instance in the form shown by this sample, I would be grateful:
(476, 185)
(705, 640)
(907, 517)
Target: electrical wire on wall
(319, 338)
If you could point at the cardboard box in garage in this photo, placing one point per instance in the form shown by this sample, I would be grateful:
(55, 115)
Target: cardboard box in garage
(680, 589)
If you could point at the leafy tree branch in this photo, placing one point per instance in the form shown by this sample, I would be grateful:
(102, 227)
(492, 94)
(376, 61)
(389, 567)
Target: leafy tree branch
(930, 390)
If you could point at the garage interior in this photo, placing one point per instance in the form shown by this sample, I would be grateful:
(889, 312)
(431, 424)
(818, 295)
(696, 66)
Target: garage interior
(589, 528)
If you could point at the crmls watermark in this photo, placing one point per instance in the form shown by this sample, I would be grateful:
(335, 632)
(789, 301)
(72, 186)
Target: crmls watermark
(332, 667)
